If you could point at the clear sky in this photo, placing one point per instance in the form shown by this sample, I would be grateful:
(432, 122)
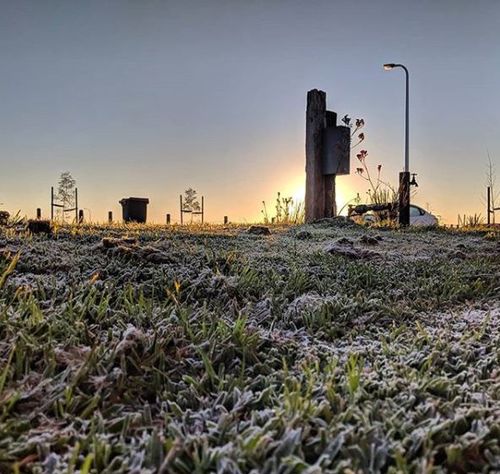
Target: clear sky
(146, 98)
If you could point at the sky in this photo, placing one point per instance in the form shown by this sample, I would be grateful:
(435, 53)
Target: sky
(147, 98)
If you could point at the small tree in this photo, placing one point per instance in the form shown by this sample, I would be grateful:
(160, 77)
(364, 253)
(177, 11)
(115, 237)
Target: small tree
(66, 192)
(190, 202)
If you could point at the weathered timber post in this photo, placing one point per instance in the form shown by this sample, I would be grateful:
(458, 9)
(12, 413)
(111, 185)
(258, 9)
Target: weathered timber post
(180, 203)
(76, 205)
(327, 156)
(52, 203)
(329, 179)
(80, 216)
(315, 183)
(226, 220)
(38, 213)
(110, 217)
(488, 200)
(168, 219)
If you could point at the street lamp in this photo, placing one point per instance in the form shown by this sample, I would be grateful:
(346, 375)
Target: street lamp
(404, 177)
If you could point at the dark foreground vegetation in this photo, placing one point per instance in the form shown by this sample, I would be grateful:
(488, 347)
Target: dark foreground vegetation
(317, 349)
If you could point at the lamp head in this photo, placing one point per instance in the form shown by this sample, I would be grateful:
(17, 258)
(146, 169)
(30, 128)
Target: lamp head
(389, 66)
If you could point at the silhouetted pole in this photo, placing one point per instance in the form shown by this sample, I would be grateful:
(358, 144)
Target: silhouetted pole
(38, 213)
(202, 209)
(110, 217)
(329, 180)
(315, 181)
(80, 216)
(168, 219)
(488, 199)
(52, 203)
(180, 201)
(226, 220)
(404, 199)
(404, 177)
(77, 216)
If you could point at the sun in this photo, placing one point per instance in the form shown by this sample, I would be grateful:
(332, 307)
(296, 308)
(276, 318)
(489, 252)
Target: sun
(299, 193)
(297, 190)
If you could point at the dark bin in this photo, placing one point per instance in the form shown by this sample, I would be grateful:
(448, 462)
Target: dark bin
(134, 209)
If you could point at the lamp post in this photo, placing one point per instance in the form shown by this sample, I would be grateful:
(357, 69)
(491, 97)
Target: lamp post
(404, 177)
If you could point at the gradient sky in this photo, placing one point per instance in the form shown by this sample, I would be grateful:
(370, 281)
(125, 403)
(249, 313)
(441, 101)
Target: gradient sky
(146, 98)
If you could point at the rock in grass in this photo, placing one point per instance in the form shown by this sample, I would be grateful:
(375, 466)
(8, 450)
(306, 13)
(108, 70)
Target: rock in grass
(368, 240)
(258, 230)
(338, 221)
(36, 226)
(349, 252)
(111, 242)
(345, 241)
(303, 235)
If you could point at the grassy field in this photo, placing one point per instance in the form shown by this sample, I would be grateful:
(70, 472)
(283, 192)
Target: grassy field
(316, 349)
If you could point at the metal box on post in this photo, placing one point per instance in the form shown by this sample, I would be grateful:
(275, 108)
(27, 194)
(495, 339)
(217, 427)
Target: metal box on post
(134, 209)
(336, 150)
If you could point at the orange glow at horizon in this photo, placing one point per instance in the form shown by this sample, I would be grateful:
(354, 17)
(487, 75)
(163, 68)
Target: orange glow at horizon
(297, 191)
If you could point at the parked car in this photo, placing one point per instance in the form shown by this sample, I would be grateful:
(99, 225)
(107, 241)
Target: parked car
(418, 217)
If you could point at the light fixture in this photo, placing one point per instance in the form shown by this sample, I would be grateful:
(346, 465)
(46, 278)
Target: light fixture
(389, 66)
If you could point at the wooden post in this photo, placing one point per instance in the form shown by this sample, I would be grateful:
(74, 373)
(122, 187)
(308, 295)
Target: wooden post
(52, 203)
(38, 213)
(488, 199)
(110, 217)
(202, 209)
(182, 217)
(80, 216)
(168, 219)
(225, 220)
(315, 181)
(329, 180)
(76, 205)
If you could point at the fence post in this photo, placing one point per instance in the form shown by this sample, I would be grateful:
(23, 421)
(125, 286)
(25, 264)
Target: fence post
(315, 181)
(80, 216)
(38, 213)
(488, 199)
(202, 209)
(52, 203)
(225, 220)
(168, 219)
(329, 180)
(180, 201)
(110, 217)
(77, 215)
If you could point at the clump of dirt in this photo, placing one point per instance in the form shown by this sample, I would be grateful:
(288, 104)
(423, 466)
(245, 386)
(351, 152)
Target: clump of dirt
(37, 226)
(338, 221)
(258, 230)
(129, 246)
(368, 240)
(113, 242)
(348, 250)
(303, 235)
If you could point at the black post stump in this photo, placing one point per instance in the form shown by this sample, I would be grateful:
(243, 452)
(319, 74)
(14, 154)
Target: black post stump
(404, 198)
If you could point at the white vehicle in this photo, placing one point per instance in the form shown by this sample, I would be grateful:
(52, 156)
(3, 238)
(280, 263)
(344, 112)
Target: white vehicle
(419, 216)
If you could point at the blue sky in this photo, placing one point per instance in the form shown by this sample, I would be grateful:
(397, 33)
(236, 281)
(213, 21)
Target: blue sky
(147, 98)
